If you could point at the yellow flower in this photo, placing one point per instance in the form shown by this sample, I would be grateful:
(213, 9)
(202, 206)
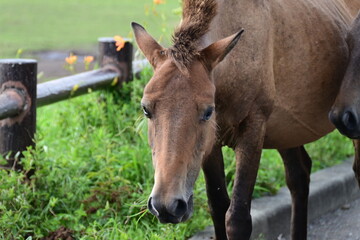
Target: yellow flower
(115, 81)
(74, 89)
(88, 59)
(158, 2)
(71, 59)
(119, 42)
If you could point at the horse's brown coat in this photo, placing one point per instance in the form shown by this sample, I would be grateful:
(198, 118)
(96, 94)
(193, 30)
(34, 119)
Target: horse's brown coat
(274, 90)
(293, 54)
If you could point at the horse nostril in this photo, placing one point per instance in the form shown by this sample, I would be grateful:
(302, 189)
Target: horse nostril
(168, 213)
(349, 120)
(178, 208)
(152, 208)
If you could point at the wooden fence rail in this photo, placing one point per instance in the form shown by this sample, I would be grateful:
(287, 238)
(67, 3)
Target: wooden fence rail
(20, 94)
(63, 88)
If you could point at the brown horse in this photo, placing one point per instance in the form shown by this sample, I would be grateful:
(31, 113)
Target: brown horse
(345, 113)
(272, 90)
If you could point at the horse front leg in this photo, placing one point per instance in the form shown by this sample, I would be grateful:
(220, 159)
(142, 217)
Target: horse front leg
(218, 198)
(297, 171)
(248, 148)
(356, 164)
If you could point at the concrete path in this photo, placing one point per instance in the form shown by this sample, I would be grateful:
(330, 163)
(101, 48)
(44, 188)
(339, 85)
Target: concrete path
(330, 189)
(342, 224)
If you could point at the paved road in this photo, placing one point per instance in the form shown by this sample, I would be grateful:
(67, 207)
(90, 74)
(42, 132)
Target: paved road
(342, 224)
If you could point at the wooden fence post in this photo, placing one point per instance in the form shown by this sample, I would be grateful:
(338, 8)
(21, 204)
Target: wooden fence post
(120, 60)
(18, 79)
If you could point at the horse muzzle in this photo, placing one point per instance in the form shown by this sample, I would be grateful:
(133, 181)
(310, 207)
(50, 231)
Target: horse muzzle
(178, 210)
(347, 122)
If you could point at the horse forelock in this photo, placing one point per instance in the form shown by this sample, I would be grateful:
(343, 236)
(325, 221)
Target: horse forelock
(196, 19)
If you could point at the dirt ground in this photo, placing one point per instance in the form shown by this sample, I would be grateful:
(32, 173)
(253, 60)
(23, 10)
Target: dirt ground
(60, 234)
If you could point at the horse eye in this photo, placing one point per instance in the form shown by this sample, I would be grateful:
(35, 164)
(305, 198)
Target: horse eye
(146, 112)
(208, 113)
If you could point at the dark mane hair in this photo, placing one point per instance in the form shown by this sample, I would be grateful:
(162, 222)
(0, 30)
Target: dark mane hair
(196, 19)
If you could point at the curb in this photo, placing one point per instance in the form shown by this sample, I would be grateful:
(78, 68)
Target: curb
(330, 189)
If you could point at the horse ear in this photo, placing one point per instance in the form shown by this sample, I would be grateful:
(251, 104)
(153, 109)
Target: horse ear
(217, 51)
(147, 44)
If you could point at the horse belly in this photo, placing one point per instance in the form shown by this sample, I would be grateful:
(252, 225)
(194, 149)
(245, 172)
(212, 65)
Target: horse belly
(286, 130)
(303, 101)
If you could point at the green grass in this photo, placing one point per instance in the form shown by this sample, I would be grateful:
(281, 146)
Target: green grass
(94, 173)
(77, 24)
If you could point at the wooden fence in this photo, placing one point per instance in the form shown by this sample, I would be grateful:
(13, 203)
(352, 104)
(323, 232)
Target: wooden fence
(20, 94)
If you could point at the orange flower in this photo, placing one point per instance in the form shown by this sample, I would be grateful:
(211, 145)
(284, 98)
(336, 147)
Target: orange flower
(158, 2)
(71, 59)
(88, 59)
(119, 42)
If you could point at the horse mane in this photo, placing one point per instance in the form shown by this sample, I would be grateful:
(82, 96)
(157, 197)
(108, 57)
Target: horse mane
(196, 19)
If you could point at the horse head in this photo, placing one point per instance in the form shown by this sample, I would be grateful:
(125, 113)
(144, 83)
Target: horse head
(179, 102)
(345, 113)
